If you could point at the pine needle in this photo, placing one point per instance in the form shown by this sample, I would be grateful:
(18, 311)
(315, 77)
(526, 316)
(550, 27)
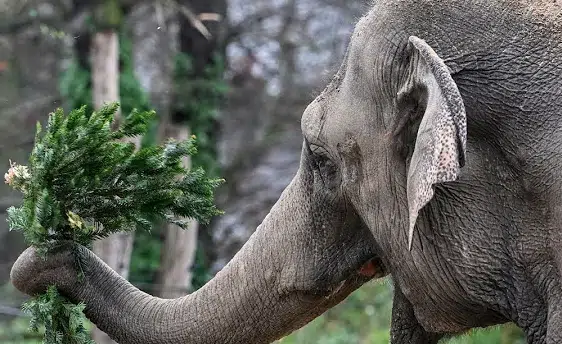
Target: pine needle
(83, 183)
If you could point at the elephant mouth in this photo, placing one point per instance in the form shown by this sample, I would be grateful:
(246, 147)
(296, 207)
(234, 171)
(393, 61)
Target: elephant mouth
(373, 268)
(370, 269)
(317, 300)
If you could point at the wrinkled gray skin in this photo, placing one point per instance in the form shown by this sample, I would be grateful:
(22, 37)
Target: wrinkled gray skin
(388, 130)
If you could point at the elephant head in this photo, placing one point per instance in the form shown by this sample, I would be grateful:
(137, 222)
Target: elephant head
(389, 126)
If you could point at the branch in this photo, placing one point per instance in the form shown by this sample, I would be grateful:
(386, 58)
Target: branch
(191, 16)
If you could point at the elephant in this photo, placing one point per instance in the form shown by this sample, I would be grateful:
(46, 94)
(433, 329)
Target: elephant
(433, 156)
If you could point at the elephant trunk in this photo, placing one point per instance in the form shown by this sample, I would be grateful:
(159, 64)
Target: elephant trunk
(242, 304)
(279, 281)
(256, 298)
(231, 308)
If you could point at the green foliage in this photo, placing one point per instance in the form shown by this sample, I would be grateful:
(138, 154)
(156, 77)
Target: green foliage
(130, 91)
(63, 320)
(76, 88)
(145, 258)
(200, 270)
(17, 331)
(199, 98)
(364, 317)
(108, 15)
(197, 103)
(84, 182)
(87, 184)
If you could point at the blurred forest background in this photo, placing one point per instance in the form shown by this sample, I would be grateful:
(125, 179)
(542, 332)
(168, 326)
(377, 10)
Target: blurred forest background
(236, 73)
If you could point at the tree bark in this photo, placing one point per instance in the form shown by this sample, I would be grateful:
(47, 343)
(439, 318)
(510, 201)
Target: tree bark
(116, 249)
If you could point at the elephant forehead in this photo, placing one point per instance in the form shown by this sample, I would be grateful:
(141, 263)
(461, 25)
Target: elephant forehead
(312, 120)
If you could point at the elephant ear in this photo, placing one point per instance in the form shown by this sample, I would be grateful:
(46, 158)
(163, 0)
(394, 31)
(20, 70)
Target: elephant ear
(440, 145)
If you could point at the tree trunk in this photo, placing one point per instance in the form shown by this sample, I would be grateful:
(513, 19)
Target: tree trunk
(178, 253)
(288, 50)
(180, 245)
(153, 56)
(154, 33)
(116, 249)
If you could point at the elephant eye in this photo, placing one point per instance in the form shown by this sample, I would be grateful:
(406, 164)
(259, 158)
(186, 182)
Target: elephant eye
(326, 171)
(322, 165)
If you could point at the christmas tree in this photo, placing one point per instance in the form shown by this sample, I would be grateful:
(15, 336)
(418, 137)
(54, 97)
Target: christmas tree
(83, 183)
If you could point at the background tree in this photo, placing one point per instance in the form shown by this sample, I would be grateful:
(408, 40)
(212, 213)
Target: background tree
(198, 70)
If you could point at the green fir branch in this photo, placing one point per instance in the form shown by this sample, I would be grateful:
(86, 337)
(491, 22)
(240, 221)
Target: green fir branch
(63, 320)
(84, 183)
